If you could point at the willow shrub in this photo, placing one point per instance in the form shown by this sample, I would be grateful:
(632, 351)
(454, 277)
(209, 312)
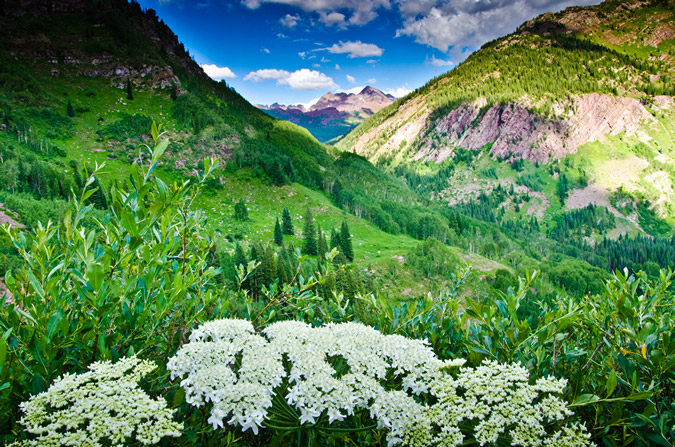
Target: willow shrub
(133, 285)
(616, 348)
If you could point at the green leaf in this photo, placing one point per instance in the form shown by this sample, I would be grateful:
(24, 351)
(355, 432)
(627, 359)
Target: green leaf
(585, 399)
(53, 324)
(611, 383)
(3, 352)
(39, 384)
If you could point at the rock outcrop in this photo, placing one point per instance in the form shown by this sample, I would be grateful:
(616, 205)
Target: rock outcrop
(516, 132)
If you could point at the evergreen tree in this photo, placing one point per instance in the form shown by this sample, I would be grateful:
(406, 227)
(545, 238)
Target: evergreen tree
(323, 245)
(76, 174)
(337, 188)
(239, 256)
(130, 93)
(335, 240)
(276, 175)
(278, 234)
(287, 223)
(98, 198)
(309, 234)
(70, 111)
(240, 211)
(282, 270)
(346, 241)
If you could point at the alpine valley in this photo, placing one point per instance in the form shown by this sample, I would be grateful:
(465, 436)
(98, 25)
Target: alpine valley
(517, 209)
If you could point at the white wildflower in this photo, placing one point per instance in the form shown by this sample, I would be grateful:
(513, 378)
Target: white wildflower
(494, 401)
(104, 405)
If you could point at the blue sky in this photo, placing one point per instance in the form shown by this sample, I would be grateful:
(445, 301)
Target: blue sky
(294, 51)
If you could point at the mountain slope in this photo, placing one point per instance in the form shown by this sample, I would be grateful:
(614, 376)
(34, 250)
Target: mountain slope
(334, 114)
(559, 84)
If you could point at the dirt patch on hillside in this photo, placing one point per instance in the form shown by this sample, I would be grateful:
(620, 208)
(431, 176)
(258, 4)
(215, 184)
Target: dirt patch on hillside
(8, 217)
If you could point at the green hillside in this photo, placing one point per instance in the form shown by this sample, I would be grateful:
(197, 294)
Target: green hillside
(562, 129)
(116, 69)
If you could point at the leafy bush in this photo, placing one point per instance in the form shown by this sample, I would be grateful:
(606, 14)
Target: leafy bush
(129, 126)
(131, 285)
(616, 348)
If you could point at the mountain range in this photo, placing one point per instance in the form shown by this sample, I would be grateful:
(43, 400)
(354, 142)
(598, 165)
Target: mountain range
(334, 114)
(553, 141)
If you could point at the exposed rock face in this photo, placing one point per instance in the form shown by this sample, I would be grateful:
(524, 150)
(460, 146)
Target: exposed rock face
(513, 130)
(516, 132)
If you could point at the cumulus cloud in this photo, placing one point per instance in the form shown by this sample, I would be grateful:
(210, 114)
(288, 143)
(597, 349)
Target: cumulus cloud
(398, 92)
(333, 18)
(439, 62)
(218, 73)
(289, 21)
(351, 79)
(444, 24)
(355, 49)
(303, 79)
(362, 11)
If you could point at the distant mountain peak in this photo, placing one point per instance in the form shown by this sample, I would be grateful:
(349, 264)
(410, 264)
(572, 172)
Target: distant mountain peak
(333, 110)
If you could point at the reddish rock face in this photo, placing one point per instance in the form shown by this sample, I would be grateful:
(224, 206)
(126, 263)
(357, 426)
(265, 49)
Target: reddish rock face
(515, 131)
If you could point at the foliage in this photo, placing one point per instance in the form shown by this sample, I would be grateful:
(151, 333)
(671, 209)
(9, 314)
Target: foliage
(287, 223)
(616, 348)
(104, 405)
(240, 211)
(278, 234)
(310, 246)
(131, 285)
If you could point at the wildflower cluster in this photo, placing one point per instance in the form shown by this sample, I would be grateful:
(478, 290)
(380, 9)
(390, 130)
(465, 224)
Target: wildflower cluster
(332, 372)
(293, 375)
(492, 402)
(104, 406)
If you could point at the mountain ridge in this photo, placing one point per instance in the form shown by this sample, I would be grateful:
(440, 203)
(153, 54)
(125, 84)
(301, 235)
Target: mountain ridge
(333, 114)
(560, 86)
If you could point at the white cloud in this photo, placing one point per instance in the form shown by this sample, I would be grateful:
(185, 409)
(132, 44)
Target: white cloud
(371, 81)
(371, 61)
(218, 73)
(333, 18)
(303, 79)
(289, 21)
(265, 50)
(355, 49)
(362, 11)
(398, 92)
(351, 79)
(470, 23)
(438, 62)
(266, 74)
(302, 54)
(337, 67)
